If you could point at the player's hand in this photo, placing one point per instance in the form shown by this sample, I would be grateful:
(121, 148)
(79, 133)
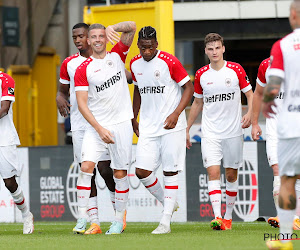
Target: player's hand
(188, 140)
(106, 135)
(267, 109)
(246, 121)
(171, 121)
(112, 35)
(256, 132)
(63, 106)
(135, 127)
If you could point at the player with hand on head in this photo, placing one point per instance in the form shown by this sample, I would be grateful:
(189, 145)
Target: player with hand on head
(271, 136)
(9, 140)
(78, 123)
(218, 89)
(104, 101)
(159, 79)
(285, 70)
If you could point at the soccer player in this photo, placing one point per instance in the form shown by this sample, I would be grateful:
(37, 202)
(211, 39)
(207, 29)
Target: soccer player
(271, 135)
(218, 89)
(78, 123)
(9, 140)
(159, 78)
(285, 67)
(104, 101)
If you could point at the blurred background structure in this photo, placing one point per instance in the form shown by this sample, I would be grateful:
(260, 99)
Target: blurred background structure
(36, 37)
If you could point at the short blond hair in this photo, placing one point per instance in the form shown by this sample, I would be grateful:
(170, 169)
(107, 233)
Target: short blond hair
(96, 26)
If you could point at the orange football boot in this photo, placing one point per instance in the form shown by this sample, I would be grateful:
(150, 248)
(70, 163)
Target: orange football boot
(227, 224)
(217, 224)
(94, 229)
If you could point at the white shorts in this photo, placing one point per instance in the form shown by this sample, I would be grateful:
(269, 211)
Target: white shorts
(271, 147)
(167, 150)
(229, 149)
(289, 156)
(94, 149)
(77, 139)
(9, 161)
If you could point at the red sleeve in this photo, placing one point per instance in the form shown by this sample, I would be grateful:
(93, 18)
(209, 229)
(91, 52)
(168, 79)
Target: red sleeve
(261, 75)
(132, 73)
(8, 87)
(244, 81)
(276, 61)
(121, 49)
(64, 75)
(177, 71)
(80, 77)
(197, 85)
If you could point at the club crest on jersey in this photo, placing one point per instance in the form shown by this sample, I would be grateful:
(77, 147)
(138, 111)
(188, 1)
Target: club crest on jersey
(11, 91)
(228, 82)
(157, 74)
(110, 63)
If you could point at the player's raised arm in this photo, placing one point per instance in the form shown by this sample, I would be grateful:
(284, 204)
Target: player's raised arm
(127, 28)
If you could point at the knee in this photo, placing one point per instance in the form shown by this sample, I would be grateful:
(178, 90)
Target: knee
(141, 173)
(119, 174)
(87, 167)
(214, 175)
(11, 184)
(231, 178)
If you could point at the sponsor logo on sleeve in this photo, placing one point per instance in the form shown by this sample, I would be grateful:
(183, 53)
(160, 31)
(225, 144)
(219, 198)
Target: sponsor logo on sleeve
(11, 91)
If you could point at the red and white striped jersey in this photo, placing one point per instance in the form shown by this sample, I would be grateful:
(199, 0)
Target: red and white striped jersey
(159, 82)
(105, 80)
(9, 135)
(285, 63)
(221, 93)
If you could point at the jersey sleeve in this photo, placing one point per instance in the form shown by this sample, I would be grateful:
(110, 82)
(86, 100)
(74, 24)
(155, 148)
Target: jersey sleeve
(132, 73)
(8, 87)
(64, 75)
(276, 62)
(178, 72)
(122, 50)
(261, 75)
(198, 93)
(80, 78)
(244, 81)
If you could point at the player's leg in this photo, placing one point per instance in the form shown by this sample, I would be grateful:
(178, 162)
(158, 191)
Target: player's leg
(212, 156)
(289, 168)
(271, 148)
(8, 170)
(107, 174)
(92, 209)
(232, 161)
(92, 148)
(120, 153)
(147, 155)
(172, 152)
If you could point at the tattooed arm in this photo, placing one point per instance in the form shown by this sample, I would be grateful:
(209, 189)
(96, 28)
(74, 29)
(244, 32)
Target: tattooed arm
(271, 91)
(127, 28)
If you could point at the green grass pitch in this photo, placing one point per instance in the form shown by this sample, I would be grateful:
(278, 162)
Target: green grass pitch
(190, 235)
